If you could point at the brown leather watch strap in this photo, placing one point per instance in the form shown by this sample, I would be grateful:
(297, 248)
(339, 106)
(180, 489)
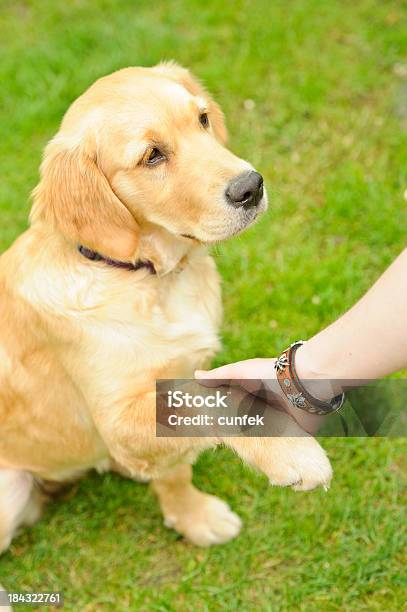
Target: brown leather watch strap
(294, 390)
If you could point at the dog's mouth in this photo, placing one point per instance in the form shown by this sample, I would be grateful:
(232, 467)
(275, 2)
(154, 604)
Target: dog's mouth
(235, 232)
(249, 219)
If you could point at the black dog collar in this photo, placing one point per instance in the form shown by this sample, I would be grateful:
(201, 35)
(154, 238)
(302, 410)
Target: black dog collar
(124, 265)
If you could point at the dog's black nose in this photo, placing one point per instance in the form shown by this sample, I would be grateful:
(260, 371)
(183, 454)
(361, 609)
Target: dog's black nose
(245, 190)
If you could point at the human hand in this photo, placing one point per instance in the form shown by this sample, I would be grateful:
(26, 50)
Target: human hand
(258, 377)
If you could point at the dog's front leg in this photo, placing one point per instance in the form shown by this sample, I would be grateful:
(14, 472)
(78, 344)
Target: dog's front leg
(203, 519)
(129, 432)
(128, 429)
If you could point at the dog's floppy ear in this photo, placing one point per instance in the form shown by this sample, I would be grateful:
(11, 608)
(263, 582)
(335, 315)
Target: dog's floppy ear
(75, 197)
(172, 70)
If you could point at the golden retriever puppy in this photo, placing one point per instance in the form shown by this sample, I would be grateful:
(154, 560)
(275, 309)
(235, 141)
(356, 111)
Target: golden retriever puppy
(112, 287)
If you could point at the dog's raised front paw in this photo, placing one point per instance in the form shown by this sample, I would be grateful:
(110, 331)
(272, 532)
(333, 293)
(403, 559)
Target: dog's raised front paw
(298, 462)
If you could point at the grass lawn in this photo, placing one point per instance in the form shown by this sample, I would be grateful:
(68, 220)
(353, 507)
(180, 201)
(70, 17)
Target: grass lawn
(326, 129)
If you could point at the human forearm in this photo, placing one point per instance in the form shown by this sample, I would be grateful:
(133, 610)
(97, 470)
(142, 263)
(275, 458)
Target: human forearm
(367, 342)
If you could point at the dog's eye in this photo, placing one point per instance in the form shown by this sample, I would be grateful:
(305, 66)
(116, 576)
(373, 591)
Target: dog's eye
(204, 120)
(154, 157)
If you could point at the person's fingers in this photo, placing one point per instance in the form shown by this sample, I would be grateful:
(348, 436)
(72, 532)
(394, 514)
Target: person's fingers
(247, 368)
(225, 372)
(212, 382)
(216, 377)
(241, 373)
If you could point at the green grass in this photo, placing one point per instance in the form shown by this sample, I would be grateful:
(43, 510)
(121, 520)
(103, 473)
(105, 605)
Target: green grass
(327, 132)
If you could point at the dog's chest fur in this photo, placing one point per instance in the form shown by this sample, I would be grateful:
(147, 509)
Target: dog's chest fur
(155, 323)
(127, 328)
(100, 339)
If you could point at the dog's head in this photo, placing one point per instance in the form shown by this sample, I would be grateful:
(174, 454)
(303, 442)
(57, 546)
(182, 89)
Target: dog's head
(141, 154)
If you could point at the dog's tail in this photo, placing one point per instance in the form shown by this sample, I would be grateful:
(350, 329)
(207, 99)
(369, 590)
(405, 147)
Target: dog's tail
(3, 598)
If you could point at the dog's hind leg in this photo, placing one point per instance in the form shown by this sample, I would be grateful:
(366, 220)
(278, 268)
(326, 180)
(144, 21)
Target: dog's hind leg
(20, 503)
